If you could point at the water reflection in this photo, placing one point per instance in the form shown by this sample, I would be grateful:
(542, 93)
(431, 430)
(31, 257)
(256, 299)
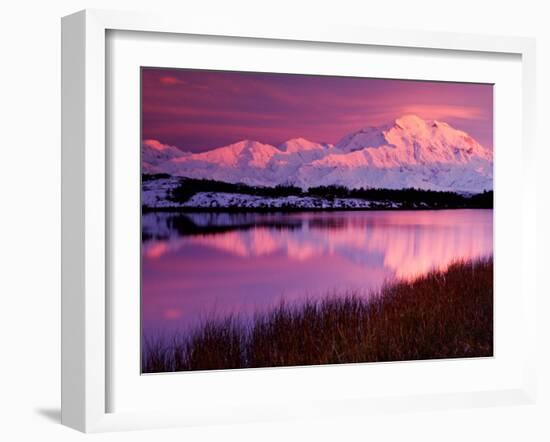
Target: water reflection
(199, 264)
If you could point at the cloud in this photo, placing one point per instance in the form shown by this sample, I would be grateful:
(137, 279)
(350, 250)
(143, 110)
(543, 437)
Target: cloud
(171, 81)
(442, 112)
(205, 109)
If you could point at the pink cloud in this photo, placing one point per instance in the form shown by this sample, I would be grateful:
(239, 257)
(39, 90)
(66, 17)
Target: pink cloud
(443, 112)
(170, 81)
(214, 108)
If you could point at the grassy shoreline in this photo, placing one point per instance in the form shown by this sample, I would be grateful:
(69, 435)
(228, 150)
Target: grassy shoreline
(443, 314)
(184, 209)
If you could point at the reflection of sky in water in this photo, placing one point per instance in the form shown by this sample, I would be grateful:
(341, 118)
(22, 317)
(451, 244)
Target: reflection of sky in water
(197, 265)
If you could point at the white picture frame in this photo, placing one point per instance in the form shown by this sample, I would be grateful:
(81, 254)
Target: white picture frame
(85, 198)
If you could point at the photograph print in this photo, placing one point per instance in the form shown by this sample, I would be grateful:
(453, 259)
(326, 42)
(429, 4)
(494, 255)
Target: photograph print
(298, 220)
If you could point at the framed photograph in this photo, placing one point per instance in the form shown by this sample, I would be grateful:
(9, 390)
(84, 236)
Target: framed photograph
(271, 222)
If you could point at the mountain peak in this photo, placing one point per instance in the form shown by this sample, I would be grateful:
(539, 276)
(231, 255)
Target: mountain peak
(156, 145)
(299, 144)
(414, 123)
(243, 143)
(407, 152)
(154, 154)
(410, 120)
(240, 146)
(297, 140)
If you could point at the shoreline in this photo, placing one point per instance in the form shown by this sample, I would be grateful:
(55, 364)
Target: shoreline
(438, 315)
(185, 209)
(185, 194)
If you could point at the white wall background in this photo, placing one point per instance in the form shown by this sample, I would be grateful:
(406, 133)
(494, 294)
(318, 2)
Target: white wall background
(30, 219)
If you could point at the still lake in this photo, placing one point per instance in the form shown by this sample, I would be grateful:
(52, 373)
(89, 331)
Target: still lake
(199, 265)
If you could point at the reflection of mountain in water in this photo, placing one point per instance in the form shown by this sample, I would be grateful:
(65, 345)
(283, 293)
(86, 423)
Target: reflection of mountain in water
(407, 243)
(161, 225)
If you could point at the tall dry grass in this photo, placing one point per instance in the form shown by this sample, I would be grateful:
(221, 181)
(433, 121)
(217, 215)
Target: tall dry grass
(443, 314)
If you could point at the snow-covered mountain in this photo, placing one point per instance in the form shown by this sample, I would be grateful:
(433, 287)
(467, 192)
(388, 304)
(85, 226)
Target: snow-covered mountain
(408, 152)
(301, 144)
(154, 155)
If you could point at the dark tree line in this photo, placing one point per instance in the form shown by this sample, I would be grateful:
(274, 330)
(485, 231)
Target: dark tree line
(153, 176)
(189, 187)
(410, 197)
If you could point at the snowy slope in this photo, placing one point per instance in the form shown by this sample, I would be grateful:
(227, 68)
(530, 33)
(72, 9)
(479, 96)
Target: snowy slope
(296, 145)
(154, 155)
(408, 152)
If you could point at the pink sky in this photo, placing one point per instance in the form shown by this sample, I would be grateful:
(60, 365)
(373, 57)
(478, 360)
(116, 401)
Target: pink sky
(197, 110)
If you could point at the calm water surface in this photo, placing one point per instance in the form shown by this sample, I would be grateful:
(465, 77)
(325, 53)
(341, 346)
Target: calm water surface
(198, 265)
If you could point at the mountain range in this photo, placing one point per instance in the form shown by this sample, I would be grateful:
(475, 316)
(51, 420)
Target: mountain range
(407, 152)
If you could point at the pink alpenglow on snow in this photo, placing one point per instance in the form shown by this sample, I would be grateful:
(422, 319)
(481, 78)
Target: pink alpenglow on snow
(284, 220)
(406, 152)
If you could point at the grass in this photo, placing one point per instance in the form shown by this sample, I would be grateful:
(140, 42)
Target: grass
(443, 314)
